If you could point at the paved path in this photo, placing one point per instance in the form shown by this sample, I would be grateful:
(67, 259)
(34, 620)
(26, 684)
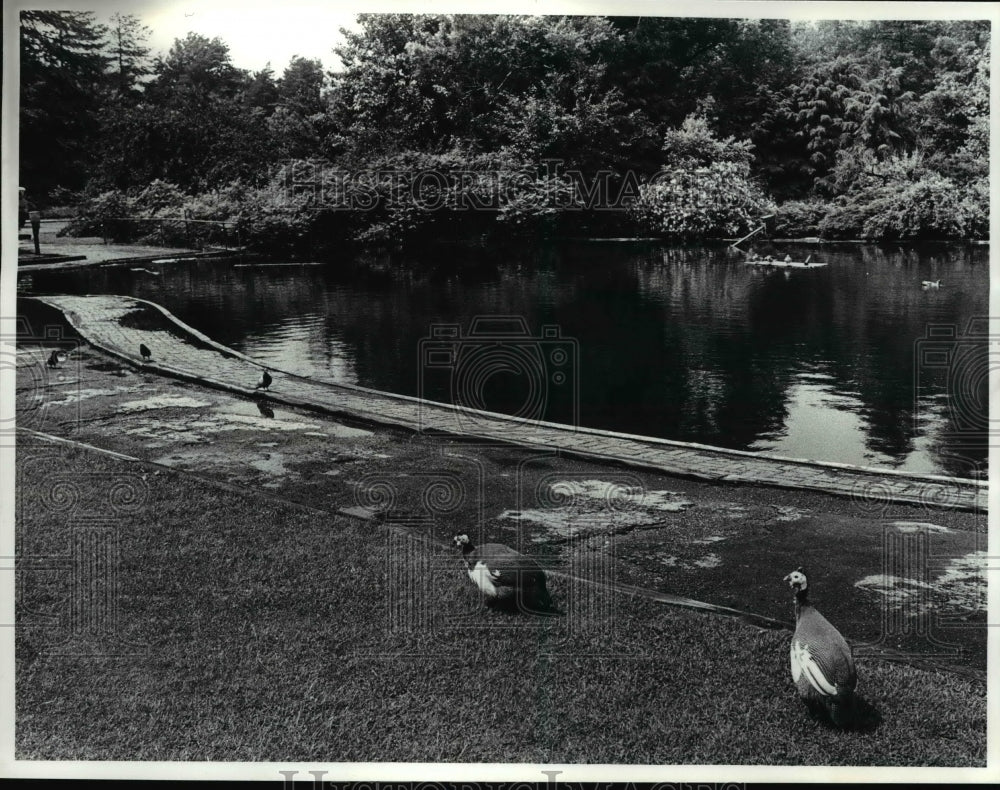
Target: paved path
(74, 252)
(183, 352)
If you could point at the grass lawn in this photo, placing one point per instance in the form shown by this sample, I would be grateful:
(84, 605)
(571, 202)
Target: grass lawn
(269, 632)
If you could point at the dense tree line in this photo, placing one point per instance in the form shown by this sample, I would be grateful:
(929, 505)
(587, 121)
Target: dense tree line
(682, 127)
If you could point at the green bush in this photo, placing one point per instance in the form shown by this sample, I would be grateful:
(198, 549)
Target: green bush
(905, 198)
(845, 218)
(692, 203)
(931, 208)
(100, 212)
(704, 187)
(976, 205)
(268, 219)
(798, 218)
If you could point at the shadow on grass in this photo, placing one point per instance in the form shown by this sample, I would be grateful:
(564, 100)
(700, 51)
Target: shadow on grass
(864, 717)
(516, 606)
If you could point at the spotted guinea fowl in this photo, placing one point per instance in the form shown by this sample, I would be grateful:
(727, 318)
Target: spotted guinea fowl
(265, 381)
(145, 352)
(821, 660)
(505, 576)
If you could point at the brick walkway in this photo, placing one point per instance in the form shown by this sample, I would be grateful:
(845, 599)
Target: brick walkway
(98, 320)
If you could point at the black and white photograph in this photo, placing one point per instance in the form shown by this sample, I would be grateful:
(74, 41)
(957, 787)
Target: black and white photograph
(532, 392)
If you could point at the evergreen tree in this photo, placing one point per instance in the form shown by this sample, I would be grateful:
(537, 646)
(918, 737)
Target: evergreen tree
(128, 52)
(63, 85)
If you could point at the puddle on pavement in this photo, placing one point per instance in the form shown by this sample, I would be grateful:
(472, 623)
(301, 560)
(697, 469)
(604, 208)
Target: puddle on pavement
(264, 416)
(961, 584)
(964, 581)
(917, 526)
(708, 561)
(789, 513)
(273, 464)
(85, 394)
(223, 435)
(167, 401)
(586, 507)
(703, 561)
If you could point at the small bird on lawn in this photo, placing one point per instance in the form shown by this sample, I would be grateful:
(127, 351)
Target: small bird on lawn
(505, 576)
(56, 358)
(265, 381)
(146, 353)
(930, 284)
(821, 660)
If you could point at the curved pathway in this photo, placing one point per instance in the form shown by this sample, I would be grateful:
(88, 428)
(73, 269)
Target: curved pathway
(118, 324)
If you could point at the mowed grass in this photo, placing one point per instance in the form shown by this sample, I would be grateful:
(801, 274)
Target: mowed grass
(268, 635)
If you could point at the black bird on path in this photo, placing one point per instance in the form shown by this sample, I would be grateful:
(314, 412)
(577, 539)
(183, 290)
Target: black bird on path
(146, 353)
(265, 381)
(55, 358)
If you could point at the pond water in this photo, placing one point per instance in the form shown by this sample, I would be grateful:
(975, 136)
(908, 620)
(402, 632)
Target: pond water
(853, 362)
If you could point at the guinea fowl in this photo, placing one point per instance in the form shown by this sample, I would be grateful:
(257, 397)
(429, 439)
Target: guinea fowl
(505, 576)
(821, 660)
(265, 381)
(56, 358)
(145, 352)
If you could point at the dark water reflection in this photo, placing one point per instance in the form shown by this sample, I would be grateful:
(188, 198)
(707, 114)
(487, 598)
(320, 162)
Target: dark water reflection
(680, 343)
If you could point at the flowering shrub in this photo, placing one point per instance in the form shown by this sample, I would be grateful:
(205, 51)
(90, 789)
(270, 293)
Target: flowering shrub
(931, 207)
(719, 199)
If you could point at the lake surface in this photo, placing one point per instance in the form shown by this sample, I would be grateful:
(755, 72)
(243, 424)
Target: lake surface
(854, 362)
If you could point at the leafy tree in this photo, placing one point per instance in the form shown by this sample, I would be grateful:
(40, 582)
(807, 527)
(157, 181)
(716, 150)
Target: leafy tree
(528, 85)
(695, 145)
(196, 126)
(667, 66)
(704, 113)
(954, 114)
(197, 66)
(262, 90)
(299, 124)
(63, 64)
